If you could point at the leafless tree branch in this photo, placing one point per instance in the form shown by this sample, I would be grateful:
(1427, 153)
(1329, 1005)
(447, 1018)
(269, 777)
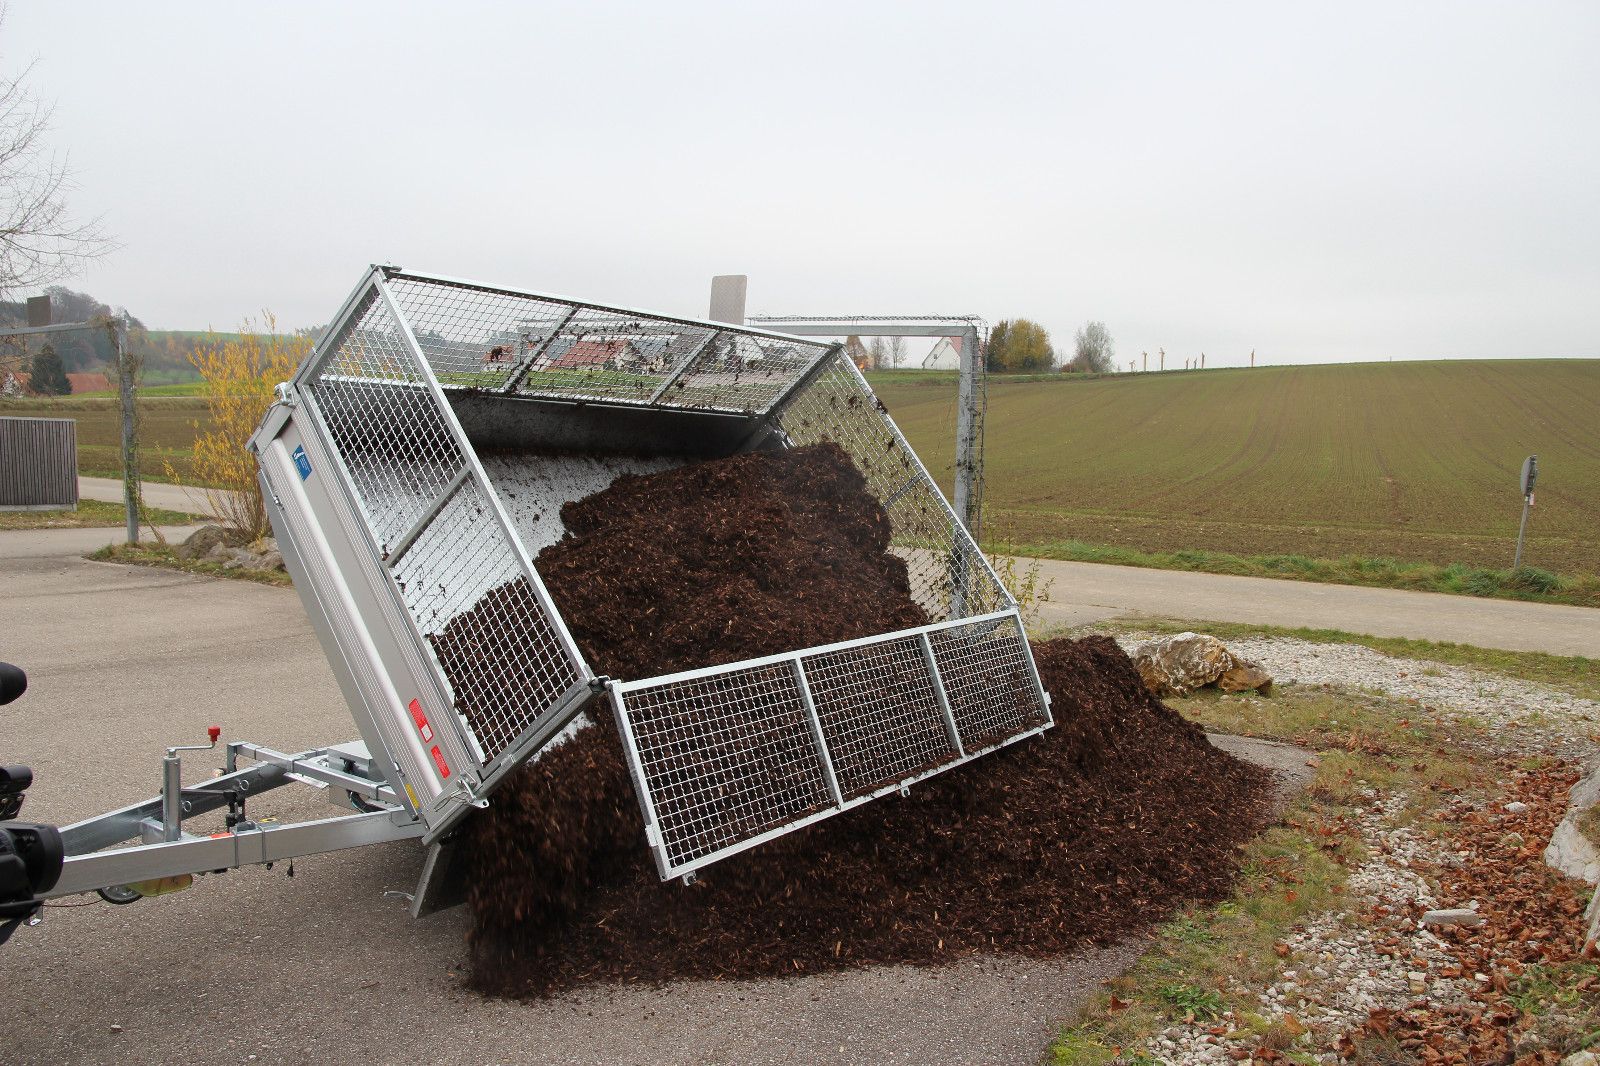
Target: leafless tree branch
(40, 240)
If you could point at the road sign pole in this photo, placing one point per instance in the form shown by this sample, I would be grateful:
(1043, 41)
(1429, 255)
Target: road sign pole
(1527, 504)
(1529, 477)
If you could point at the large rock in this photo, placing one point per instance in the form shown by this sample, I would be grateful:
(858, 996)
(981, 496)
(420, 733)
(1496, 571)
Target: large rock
(201, 542)
(1243, 676)
(1177, 665)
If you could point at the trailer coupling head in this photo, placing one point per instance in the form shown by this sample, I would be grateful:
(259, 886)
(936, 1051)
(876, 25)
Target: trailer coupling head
(31, 856)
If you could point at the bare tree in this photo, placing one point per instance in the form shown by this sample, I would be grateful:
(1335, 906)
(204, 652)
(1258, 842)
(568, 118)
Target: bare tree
(897, 351)
(878, 353)
(1093, 351)
(40, 241)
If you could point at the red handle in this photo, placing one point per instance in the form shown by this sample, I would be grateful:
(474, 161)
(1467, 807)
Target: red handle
(214, 732)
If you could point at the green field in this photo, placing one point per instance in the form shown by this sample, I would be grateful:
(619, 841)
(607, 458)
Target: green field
(1412, 461)
(1415, 462)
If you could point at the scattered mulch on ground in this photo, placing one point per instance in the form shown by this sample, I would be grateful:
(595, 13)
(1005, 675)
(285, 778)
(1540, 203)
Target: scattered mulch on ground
(1533, 917)
(1098, 827)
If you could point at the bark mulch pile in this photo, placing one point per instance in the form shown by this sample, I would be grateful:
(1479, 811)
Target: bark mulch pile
(1097, 827)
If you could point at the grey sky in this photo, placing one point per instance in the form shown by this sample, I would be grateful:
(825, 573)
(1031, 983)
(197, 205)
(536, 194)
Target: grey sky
(1318, 182)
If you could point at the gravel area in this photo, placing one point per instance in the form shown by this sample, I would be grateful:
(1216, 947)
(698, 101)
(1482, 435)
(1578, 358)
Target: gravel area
(1371, 955)
(1340, 966)
(1520, 716)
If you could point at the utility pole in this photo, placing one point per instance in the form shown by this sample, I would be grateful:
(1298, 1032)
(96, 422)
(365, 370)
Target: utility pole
(1252, 358)
(1163, 365)
(1202, 360)
(130, 445)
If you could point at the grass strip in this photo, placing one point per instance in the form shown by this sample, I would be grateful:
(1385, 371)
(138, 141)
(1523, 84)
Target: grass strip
(93, 513)
(161, 555)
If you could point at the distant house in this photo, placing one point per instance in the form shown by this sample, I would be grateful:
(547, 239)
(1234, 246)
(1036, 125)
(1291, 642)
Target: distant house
(593, 355)
(946, 355)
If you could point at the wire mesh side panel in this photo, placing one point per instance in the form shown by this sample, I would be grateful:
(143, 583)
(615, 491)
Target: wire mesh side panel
(724, 758)
(879, 712)
(487, 628)
(453, 565)
(727, 757)
(949, 578)
(478, 337)
(990, 681)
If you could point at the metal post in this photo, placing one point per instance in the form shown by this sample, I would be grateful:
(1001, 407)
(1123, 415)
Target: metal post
(967, 430)
(1527, 503)
(171, 797)
(130, 454)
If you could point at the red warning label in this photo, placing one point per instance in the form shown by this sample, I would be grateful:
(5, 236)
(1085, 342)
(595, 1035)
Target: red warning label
(438, 760)
(422, 721)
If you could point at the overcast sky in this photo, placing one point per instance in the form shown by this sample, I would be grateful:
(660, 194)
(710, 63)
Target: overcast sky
(1317, 182)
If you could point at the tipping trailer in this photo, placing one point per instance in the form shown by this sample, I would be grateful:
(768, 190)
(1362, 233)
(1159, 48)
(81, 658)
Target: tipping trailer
(414, 468)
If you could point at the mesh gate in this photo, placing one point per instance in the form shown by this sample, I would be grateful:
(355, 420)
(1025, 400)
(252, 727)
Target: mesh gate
(722, 758)
(729, 757)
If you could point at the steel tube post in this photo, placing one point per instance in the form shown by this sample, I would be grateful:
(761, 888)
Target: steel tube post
(130, 456)
(967, 431)
(819, 741)
(1521, 530)
(171, 797)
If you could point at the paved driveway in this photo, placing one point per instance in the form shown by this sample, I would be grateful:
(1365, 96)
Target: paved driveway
(323, 967)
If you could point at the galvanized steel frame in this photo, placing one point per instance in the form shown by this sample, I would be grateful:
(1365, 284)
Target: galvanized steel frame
(373, 289)
(657, 839)
(966, 561)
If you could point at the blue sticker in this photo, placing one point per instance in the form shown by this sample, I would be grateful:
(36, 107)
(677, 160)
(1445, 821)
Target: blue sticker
(301, 463)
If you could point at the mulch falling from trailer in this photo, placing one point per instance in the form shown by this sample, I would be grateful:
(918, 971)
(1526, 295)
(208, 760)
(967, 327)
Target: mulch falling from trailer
(1094, 829)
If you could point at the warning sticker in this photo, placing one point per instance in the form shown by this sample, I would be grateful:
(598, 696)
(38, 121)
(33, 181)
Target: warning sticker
(421, 721)
(301, 463)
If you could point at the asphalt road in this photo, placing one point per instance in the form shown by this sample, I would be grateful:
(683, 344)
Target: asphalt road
(156, 494)
(1092, 592)
(259, 965)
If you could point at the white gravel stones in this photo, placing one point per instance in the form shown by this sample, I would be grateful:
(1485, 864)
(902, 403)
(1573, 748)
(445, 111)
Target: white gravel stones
(1447, 918)
(1524, 716)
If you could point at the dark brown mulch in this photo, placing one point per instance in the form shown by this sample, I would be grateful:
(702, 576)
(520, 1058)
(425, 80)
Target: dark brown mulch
(727, 560)
(1096, 828)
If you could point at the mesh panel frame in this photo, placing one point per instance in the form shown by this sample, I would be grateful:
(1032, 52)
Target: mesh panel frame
(546, 346)
(434, 526)
(949, 576)
(727, 757)
(880, 716)
(730, 756)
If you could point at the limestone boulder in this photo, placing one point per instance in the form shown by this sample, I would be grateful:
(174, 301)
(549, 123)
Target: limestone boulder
(201, 542)
(1178, 665)
(1243, 676)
